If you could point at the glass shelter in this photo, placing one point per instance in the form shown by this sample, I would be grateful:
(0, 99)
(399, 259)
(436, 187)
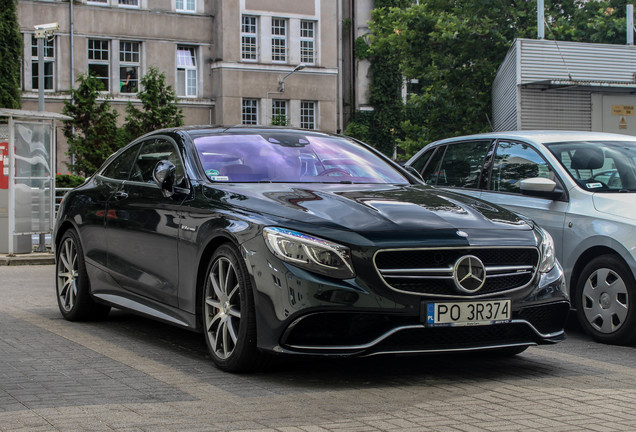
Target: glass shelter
(27, 177)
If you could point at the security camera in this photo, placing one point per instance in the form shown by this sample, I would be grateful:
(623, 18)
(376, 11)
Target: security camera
(44, 30)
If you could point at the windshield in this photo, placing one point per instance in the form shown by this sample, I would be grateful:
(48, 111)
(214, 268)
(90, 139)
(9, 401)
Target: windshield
(608, 166)
(291, 157)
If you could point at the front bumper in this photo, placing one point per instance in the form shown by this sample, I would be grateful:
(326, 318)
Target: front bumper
(301, 313)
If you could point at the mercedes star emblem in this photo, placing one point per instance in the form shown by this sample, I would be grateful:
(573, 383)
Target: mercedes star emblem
(469, 274)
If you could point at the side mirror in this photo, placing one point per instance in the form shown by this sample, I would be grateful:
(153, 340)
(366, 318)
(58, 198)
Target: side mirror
(540, 187)
(164, 176)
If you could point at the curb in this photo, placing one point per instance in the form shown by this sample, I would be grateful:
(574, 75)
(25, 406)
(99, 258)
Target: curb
(41, 258)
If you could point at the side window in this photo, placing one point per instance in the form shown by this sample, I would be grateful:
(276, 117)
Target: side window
(462, 164)
(153, 151)
(421, 161)
(515, 162)
(119, 168)
(431, 173)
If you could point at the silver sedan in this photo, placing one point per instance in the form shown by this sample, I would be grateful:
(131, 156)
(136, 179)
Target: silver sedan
(580, 187)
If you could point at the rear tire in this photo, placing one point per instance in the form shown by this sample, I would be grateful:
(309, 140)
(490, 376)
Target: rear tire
(606, 301)
(228, 313)
(72, 284)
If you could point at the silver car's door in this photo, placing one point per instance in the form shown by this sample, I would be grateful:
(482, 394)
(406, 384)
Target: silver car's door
(513, 162)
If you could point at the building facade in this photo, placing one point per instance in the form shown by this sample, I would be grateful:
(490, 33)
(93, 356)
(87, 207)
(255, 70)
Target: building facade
(230, 62)
(547, 84)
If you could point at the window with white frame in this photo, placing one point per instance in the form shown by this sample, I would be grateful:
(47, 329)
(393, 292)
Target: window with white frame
(307, 42)
(186, 71)
(249, 112)
(49, 63)
(279, 40)
(99, 2)
(186, 5)
(308, 114)
(279, 112)
(99, 61)
(249, 38)
(129, 3)
(129, 62)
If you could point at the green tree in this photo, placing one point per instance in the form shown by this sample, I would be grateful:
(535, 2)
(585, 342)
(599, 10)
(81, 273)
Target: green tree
(10, 55)
(452, 48)
(92, 132)
(158, 107)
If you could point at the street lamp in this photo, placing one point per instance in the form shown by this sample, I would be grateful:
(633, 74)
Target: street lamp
(42, 31)
(281, 83)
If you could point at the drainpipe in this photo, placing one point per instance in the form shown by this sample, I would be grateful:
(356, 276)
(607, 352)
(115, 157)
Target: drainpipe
(339, 121)
(72, 56)
(72, 42)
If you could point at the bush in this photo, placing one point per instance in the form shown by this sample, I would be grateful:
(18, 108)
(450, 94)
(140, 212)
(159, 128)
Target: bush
(68, 180)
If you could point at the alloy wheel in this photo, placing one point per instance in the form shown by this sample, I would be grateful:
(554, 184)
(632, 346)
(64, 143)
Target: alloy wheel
(223, 307)
(67, 274)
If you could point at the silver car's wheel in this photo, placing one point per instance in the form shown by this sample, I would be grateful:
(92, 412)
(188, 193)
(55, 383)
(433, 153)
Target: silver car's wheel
(71, 282)
(228, 313)
(605, 303)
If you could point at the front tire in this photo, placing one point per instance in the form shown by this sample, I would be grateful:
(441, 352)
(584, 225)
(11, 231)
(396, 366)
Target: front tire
(228, 313)
(606, 301)
(71, 282)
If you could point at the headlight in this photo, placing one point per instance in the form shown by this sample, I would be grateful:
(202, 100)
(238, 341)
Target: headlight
(311, 253)
(548, 259)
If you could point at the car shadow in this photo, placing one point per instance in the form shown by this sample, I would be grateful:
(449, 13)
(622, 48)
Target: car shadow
(187, 351)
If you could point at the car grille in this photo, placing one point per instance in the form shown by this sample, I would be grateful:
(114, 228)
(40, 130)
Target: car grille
(429, 272)
(546, 318)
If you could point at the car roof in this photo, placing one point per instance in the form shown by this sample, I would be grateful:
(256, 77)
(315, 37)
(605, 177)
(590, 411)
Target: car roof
(545, 136)
(199, 130)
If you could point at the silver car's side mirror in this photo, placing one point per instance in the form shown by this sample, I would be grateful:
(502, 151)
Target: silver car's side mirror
(541, 187)
(537, 184)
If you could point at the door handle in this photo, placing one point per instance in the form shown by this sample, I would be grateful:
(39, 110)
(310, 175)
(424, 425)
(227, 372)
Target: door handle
(121, 195)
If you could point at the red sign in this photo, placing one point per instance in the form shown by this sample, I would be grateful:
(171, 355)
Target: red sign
(4, 165)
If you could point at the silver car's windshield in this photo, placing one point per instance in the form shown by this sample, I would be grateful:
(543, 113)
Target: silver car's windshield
(291, 157)
(608, 166)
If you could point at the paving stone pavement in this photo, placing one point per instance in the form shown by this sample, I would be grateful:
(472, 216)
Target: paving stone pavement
(132, 374)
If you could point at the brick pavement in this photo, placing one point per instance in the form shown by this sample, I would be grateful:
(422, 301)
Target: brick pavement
(132, 374)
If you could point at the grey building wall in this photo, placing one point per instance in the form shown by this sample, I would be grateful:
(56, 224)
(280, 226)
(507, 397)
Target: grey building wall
(505, 95)
(544, 84)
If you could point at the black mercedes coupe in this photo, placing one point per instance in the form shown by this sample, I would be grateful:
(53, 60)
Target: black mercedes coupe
(277, 240)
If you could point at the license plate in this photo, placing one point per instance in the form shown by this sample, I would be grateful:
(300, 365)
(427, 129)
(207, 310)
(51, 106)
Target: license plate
(467, 313)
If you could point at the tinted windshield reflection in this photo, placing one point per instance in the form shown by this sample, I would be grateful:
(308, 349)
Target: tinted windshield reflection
(599, 166)
(287, 157)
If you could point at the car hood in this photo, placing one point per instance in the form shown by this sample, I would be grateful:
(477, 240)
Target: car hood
(616, 204)
(372, 208)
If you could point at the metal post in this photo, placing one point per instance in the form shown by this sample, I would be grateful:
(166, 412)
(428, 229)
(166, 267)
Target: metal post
(40, 74)
(42, 237)
(11, 186)
(630, 24)
(540, 20)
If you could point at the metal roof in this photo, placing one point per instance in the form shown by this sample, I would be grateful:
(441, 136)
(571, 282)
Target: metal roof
(44, 115)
